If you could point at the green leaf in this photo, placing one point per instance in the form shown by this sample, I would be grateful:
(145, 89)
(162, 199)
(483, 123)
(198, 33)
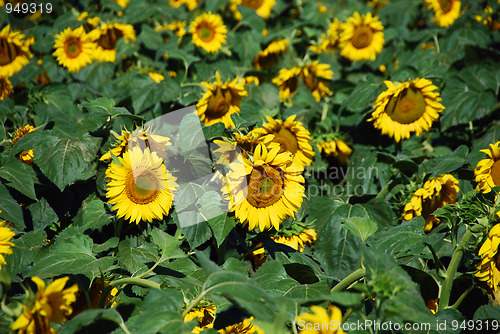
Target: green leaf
(25, 250)
(301, 273)
(487, 312)
(450, 162)
(20, 177)
(273, 278)
(361, 227)
(94, 215)
(168, 244)
(221, 227)
(134, 258)
(110, 243)
(90, 317)
(363, 95)
(145, 92)
(42, 214)
(10, 209)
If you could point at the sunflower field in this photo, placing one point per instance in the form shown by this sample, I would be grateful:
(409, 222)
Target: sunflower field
(249, 166)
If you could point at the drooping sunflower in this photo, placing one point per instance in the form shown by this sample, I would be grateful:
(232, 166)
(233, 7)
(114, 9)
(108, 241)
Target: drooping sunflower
(288, 82)
(336, 148)
(489, 267)
(264, 192)
(361, 37)
(140, 187)
(6, 234)
(245, 327)
(487, 171)
(209, 32)
(26, 156)
(406, 107)
(74, 49)
(269, 56)
(6, 88)
(445, 11)
(205, 316)
(313, 76)
(292, 136)
(14, 51)
(106, 38)
(220, 101)
(314, 323)
(434, 194)
(94, 294)
(328, 42)
(263, 8)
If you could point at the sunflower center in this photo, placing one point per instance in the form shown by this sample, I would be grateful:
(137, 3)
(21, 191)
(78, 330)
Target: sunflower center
(495, 173)
(445, 5)
(287, 140)
(265, 186)
(255, 4)
(206, 33)
(362, 37)
(219, 103)
(73, 48)
(108, 40)
(8, 52)
(142, 188)
(407, 107)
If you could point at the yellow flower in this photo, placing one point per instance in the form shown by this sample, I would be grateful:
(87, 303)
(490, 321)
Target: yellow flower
(52, 304)
(361, 37)
(263, 8)
(122, 3)
(106, 38)
(155, 76)
(435, 194)
(488, 268)
(321, 8)
(312, 75)
(25, 156)
(226, 152)
(406, 107)
(220, 101)
(445, 11)
(321, 321)
(6, 234)
(264, 192)
(297, 241)
(190, 4)
(209, 32)
(269, 56)
(487, 171)
(250, 79)
(292, 136)
(382, 68)
(205, 316)
(288, 82)
(377, 4)
(74, 49)
(14, 51)
(94, 295)
(6, 88)
(178, 27)
(335, 148)
(329, 41)
(245, 327)
(140, 188)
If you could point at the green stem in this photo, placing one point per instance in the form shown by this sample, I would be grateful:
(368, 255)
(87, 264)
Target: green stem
(351, 278)
(462, 297)
(136, 281)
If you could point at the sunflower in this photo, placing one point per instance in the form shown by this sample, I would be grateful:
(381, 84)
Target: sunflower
(155, 76)
(94, 294)
(435, 194)
(297, 241)
(122, 3)
(361, 37)
(74, 49)
(226, 152)
(445, 11)
(6, 88)
(6, 234)
(264, 192)
(14, 51)
(487, 171)
(328, 42)
(205, 316)
(177, 27)
(250, 79)
(263, 8)
(106, 38)
(489, 267)
(406, 107)
(377, 4)
(209, 32)
(245, 327)
(140, 187)
(313, 74)
(336, 148)
(292, 136)
(269, 56)
(190, 4)
(26, 156)
(288, 82)
(314, 323)
(220, 101)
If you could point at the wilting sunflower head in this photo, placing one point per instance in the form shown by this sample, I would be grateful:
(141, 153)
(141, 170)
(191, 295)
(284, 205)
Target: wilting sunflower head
(269, 56)
(297, 240)
(330, 315)
(406, 107)
(74, 49)
(288, 82)
(6, 234)
(6, 88)
(435, 194)
(209, 32)
(361, 37)
(292, 137)
(14, 51)
(106, 38)
(487, 171)
(205, 316)
(265, 191)
(140, 187)
(220, 101)
(489, 267)
(314, 75)
(445, 11)
(263, 8)
(26, 156)
(336, 148)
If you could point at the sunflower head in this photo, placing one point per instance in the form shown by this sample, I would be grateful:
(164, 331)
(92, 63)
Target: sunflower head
(244, 327)
(227, 151)
(445, 11)
(407, 107)
(263, 8)
(489, 267)
(314, 75)
(487, 171)
(329, 41)
(74, 49)
(288, 82)
(209, 32)
(361, 37)
(106, 38)
(14, 51)
(6, 88)
(205, 316)
(336, 148)
(6, 234)
(269, 56)
(331, 315)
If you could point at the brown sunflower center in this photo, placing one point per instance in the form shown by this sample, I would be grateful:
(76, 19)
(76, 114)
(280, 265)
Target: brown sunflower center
(265, 186)
(142, 188)
(287, 140)
(495, 173)
(219, 103)
(8, 52)
(73, 48)
(407, 107)
(255, 4)
(291, 84)
(362, 37)
(445, 5)
(109, 39)
(206, 33)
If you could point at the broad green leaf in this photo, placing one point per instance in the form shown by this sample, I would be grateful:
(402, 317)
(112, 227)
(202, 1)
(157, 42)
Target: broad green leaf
(450, 162)
(361, 227)
(134, 258)
(273, 278)
(91, 317)
(221, 226)
(10, 209)
(94, 215)
(20, 177)
(42, 214)
(25, 250)
(168, 244)
(110, 243)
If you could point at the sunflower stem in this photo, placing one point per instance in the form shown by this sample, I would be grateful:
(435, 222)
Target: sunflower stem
(462, 297)
(436, 42)
(351, 278)
(136, 281)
